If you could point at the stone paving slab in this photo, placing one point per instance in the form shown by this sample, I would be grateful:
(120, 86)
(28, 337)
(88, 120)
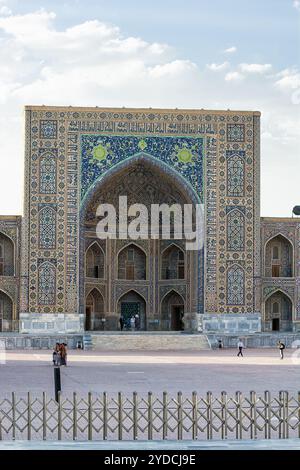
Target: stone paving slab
(272, 444)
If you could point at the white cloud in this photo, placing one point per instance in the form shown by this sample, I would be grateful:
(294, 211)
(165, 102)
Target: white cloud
(289, 79)
(218, 67)
(230, 50)
(255, 68)
(296, 4)
(94, 64)
(234, 77)
(5, 11)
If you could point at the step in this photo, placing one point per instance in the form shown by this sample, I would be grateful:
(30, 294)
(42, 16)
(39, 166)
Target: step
(142, 342)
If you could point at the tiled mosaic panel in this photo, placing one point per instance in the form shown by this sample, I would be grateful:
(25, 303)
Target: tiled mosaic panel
(100, 153)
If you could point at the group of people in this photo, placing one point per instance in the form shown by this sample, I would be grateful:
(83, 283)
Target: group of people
(60, 354)
(133, 323)
(240, 346)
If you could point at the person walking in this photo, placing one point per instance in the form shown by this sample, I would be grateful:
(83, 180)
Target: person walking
(121, 321)
(137, 322)
(281, 347)
(240, 346)
(63, 354)
(55, 354)
(132, 323)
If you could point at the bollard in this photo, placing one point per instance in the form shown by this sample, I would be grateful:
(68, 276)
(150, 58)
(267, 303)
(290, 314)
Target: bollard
(57, 382)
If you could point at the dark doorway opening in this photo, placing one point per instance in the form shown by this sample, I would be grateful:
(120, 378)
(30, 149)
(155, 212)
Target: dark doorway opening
(177, 318)
(275, 324)
(88, 312)
(129, 310)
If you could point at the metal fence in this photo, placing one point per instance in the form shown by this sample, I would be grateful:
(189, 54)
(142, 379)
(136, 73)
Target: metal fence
(255, 416)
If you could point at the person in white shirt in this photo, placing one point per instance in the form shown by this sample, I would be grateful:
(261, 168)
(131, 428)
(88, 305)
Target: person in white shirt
(240, 345)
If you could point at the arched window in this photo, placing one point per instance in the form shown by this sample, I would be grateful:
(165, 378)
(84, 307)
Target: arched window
(95, 262)
(172, 263)
(275, 254)
(235, 176)
(47, 228)
(235, 285)
(48, 174)
(7, 256)
(46, 283)
(275, 307)
(132, 263)
(235, 231)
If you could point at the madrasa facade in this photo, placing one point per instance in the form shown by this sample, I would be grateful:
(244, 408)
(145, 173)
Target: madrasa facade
(57, 276)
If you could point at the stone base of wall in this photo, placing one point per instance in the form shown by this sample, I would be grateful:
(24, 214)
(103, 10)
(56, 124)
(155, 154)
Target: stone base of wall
(27, 341)
(51, 323)
(230, 323)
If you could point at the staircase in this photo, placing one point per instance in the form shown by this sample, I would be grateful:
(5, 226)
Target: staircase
(87, 342)
(148, 341)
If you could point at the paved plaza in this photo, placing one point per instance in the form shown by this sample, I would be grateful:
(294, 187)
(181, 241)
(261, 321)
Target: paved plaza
(155, 371)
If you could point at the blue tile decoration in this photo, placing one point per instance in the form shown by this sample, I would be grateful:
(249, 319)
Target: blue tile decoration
(100, 153)
(48, 129)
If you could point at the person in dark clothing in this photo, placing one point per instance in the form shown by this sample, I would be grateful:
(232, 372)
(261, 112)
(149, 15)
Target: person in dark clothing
(121, 321)
(240, 347)
(281, 347)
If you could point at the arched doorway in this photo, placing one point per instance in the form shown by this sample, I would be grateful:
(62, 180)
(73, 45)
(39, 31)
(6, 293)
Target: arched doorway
(137, 264)
(172, 312)
(94, 311)
(172, 263)
(6, 312)
(279, 257)
(132, 263)
(7, 262)
(132, 305)
(279, 312)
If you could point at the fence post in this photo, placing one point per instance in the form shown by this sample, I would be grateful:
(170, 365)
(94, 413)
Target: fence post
(105, 416)
(267, 415)
(28, 416)
(224, 415)
(150, 417)
(195, 415)
(179, 416)
(44, 417)
(165, 416)
(281, 416)
(13, 407)
(238, 416)
(74, 416)
(57, 382)
(286, 404)
(59, 416)
(253, 415)
(298, 415)
(120, 416)
(134, 415)
(209, 415)
(90, 417)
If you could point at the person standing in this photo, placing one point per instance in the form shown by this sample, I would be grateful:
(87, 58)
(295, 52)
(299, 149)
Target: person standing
(281, 347)
(240, 347)
(132, 323)
(121, 321)
(137, 322)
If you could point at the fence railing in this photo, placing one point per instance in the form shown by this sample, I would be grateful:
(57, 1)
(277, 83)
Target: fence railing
(104, 417)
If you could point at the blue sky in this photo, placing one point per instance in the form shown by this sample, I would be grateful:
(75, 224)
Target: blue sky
(237, 54)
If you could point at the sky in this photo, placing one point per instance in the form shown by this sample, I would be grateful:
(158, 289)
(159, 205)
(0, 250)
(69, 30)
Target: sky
(213, 54)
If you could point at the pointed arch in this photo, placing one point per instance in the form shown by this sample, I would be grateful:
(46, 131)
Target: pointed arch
(133, 305)
(48, 174)
(235, 230)
(173, 262)
(95, 261)
(132, 263)
(235, 278)
(235, 175)
(46, 283)
(6, 311)
(172, 311)
(94, 313)
(278, 256)
(281, 317)
(7, 255)
(47, 227)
